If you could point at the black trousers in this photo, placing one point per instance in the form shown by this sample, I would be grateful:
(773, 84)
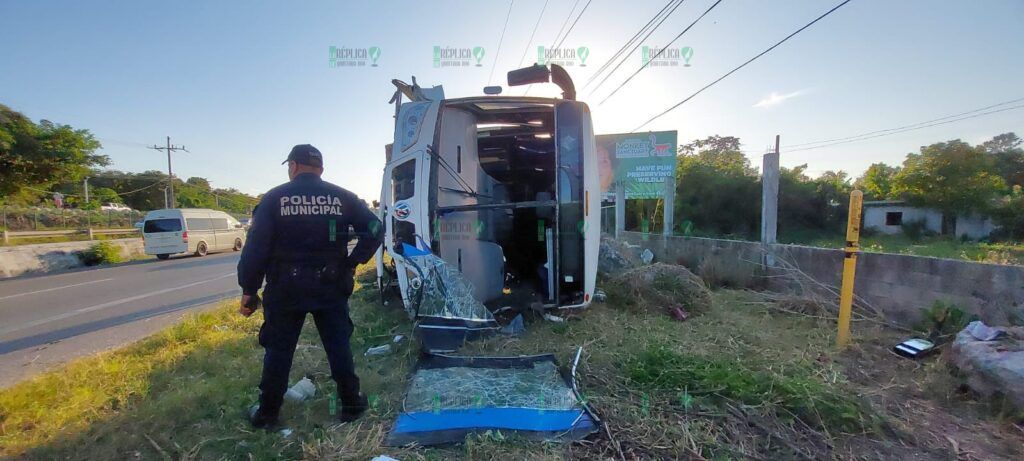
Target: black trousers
(279, 335)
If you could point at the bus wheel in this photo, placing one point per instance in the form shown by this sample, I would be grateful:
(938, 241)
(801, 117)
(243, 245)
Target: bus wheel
(163, 256)
(201, 249)
(238, 245)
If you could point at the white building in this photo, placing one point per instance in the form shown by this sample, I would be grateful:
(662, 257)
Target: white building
(889, 216)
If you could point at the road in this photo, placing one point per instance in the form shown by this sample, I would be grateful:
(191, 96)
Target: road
(47, 320)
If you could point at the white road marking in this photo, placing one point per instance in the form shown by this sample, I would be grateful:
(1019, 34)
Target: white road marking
(105, 305)
(55, 288)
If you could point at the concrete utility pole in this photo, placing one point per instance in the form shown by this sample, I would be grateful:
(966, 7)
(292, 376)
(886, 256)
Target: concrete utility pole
(620, 209)
(85, 185)
(669, 205)
(770, 196)
(172, 203)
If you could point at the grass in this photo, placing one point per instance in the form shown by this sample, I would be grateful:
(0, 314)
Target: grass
(15, 241)
(739, 380)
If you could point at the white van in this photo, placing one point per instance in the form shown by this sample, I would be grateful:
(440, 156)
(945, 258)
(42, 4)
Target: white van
(190, 230)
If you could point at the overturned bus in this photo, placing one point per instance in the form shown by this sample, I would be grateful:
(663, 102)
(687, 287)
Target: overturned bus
(503, 190)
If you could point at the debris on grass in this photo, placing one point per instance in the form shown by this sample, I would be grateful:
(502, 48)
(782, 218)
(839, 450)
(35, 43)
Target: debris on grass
(383, 349)
(661, 287)
(302, 390)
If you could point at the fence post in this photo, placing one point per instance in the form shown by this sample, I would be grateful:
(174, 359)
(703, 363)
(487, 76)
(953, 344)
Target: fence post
(35, 219)
(63, 220)
(6, 238)
(849, 268)
(90, 233)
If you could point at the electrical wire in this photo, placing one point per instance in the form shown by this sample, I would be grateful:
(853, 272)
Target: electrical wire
(908, 129)
(559, 34)
(626, 56)
(905, 126)
(629, 42)
(709, 85)
(500, 39)
(662, 50)
(584, 10)
(534, 32)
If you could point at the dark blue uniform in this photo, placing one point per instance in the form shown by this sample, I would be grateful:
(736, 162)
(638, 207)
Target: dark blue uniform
(298, 242)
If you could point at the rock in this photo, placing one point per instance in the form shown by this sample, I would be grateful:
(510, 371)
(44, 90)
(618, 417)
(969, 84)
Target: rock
(615, 256)
(993, 367)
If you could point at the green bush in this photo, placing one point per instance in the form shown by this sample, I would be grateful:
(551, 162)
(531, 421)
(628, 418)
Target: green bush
(943, 320)
(101, 253)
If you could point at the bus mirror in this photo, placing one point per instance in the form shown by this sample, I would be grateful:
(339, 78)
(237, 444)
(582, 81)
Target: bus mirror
(527, 75)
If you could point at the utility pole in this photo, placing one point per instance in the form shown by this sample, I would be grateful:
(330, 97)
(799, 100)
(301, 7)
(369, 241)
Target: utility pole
(172, 203)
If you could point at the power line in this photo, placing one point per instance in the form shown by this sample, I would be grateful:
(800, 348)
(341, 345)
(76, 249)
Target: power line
(906, 126)
(626, 45)
(584, 10)
(500, 39)
(559, 34)
(662, 50)
(534, 32)
(709, 85)
(637, 45)
(565, 23)
(909, 129)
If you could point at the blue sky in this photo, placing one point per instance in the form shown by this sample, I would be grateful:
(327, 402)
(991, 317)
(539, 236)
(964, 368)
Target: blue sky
(239, 83)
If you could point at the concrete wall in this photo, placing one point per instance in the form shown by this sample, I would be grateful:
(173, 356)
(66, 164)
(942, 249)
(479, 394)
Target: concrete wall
(974, 227)
(874, 218)
(48, 257)
(899, 285)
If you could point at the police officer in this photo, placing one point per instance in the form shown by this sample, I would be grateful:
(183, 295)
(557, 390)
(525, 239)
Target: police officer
(298, 242)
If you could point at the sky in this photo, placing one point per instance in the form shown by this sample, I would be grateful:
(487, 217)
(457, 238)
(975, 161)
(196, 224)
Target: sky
(239, 83)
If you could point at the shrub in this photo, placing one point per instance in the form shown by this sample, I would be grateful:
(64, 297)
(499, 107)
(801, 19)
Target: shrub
(101, 253)
(943, 320)
(915, 230)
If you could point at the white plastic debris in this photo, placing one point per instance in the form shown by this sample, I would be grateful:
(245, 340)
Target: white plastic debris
(285, 432)
(383, 458)
(983, 332)
(554, 318)
(398, 339)
(302, 390)
(647, 256)
(379, 350)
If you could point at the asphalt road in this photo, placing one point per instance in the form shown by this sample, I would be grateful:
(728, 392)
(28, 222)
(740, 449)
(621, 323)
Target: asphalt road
(47, 320)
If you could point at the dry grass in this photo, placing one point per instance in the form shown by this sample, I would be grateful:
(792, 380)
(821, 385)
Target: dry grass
(181, 394)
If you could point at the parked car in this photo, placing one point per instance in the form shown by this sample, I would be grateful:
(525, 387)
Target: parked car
(115, 207)
(190, 230)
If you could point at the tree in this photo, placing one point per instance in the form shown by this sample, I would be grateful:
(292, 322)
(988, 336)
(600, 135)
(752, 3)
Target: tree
(1009, 213)
(42, 155)
(876, 182)
(1008, 156)
(953, 177)
(717, 190)
(201, 183)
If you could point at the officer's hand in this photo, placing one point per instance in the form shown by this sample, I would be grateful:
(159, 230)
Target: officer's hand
(245, 311)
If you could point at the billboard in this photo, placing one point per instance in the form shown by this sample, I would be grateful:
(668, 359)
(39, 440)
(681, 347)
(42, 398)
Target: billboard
(641, 162)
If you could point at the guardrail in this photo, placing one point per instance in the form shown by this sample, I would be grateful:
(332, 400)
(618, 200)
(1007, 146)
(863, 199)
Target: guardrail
(92, 233)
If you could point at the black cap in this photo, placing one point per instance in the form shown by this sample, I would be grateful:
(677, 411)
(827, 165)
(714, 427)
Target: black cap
(305, 154)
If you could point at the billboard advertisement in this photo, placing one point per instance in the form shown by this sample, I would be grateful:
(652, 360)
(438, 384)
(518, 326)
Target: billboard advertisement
(641, 162)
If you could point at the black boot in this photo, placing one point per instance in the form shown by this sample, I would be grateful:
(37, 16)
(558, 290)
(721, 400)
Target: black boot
(354, 407)
(260, 418)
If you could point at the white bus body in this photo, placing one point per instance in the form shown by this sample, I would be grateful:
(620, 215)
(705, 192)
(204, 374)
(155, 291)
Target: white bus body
(504, 188)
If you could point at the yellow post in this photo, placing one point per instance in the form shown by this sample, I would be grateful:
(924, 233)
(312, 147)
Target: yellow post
(849, 267)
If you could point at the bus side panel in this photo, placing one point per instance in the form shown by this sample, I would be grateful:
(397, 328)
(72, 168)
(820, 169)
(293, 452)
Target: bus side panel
(592, 206)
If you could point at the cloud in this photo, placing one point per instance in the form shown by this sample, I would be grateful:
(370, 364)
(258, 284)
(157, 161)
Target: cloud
(776, 98)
